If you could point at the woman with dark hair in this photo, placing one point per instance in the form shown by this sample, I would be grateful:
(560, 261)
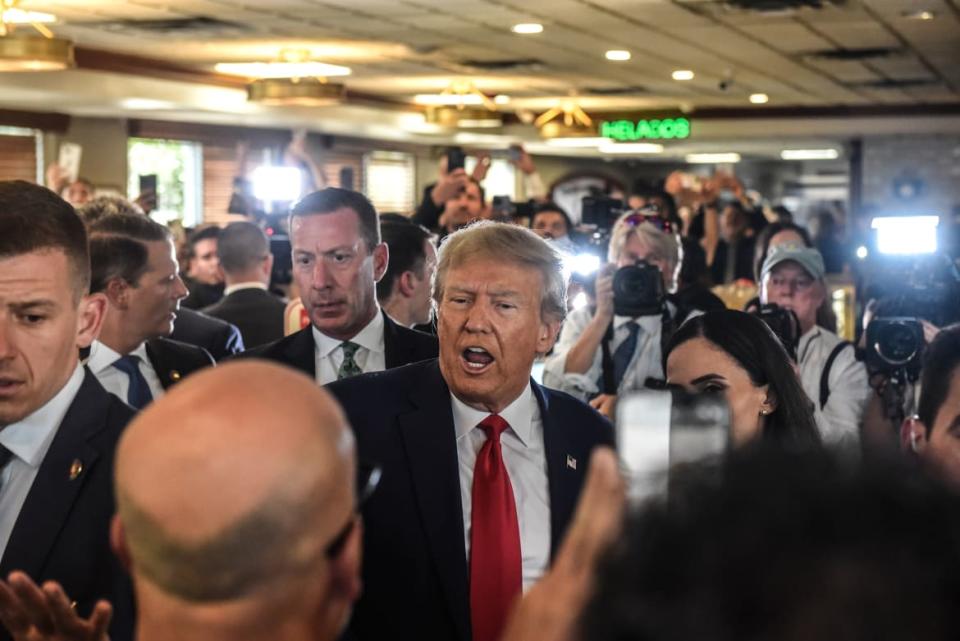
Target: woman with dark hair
(737, 354)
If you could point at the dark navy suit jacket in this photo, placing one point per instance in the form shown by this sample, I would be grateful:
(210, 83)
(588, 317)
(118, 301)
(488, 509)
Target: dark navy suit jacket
(414, 563)
(63, 530)
(401, 346)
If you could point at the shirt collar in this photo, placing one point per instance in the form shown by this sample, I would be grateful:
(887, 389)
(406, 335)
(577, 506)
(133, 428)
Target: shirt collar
(101, 357)
(519, 415)
(250, 284)
(370, 337)
(647, 323)
(30, 438)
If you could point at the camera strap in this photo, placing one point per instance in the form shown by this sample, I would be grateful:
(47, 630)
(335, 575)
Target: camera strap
(608, 384)
(825, 375)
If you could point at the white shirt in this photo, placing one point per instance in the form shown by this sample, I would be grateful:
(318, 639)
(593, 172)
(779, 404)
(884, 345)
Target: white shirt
(236, 287)
(645, 363)
(526, 462)
(371, 357)
(115, 381)
(29, 441)
(839, 421)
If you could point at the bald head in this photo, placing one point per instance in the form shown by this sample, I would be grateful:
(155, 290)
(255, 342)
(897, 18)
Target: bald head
(221, 496)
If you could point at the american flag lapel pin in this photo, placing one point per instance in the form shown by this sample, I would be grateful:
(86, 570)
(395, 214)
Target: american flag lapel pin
(571, 462)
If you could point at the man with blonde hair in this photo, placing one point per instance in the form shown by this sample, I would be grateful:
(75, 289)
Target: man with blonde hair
(481, 466)
(602, 352)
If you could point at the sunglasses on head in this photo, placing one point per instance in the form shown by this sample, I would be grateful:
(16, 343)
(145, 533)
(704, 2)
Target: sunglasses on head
(646, 216)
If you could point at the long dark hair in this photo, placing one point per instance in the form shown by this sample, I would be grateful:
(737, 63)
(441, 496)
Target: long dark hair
(749, 341)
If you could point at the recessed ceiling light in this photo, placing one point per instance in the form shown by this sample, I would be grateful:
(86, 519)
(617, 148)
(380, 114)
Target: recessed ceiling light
(618, 55)
(759, 98)
(501, 99)
(713, 158)
(683, 74)
(631, 148)
(147, 104)
(281, 69)
(923, 14)
(809, 154)
(527, 28)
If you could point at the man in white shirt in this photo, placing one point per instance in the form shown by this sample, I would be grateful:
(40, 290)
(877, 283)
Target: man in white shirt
(58, 426)
(338, 258)
(247, 264)
(134, 265)
(831, 375)
(634, 342)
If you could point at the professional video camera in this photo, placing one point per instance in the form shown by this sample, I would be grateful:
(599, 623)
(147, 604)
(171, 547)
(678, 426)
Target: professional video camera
(601, 212)
(638, 290)
(784, 324)
(504, 207)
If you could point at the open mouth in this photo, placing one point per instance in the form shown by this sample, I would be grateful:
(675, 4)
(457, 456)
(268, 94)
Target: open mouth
(9, 386)
(476, 359)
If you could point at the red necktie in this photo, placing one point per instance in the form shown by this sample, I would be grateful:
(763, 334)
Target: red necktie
(495, 565)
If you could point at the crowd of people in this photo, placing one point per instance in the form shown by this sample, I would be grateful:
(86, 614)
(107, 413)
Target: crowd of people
(178, 462)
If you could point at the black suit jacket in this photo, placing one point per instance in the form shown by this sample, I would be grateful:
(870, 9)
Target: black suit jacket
(62, 531)
(414, 564)
(173, 360)
(401, 346)
(221, 339)
(256, 312)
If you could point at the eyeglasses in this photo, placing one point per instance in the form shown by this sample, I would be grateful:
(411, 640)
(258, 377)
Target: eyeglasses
(646, 216)
(368, 477)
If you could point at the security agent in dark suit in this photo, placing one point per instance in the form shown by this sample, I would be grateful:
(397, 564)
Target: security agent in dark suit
(58, 426)
(220, 338)
(134, 265)
(246, 262)
(337, 260)
(481, 466)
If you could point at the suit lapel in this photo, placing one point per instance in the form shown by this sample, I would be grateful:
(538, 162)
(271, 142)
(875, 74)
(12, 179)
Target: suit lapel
(301, 352)
(160, 363)
(61, 477)
(430, 444)
(394, 352)
(564, 473)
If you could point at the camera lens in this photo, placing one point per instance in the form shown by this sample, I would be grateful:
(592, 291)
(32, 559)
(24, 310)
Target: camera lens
(897, 344)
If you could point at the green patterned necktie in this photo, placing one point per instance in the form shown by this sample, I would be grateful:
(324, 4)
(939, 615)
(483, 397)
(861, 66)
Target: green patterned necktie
(349, 366)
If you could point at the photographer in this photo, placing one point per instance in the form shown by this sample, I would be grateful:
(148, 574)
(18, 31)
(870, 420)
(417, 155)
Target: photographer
(833, 378)
(616, 346)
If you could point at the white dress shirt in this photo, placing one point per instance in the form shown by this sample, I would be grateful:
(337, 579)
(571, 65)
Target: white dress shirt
(839, 420)
(29, 441)
(116, 382)
(371, 356)
(646, 361)
(236, 287)
(526, 462)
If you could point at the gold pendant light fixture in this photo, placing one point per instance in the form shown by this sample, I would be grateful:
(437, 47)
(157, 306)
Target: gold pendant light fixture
(461, 105)
(566, 120)
(27, 51)
(293, 80)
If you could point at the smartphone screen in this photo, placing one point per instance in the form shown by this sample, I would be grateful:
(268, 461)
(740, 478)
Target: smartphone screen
(456, 159)
(659, 430)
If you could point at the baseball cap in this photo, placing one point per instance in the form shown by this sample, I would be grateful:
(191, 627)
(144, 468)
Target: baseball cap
(807, 257)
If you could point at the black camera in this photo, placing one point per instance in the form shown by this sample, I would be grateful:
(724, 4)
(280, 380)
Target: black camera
(600, 211)
(895, 346)
(784, 324)
(507, 208)
(638, 290)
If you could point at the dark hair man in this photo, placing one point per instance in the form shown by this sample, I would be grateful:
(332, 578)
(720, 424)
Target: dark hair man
(337, 260)
(134, 265)
(204, 278)
(58, 426)
(478, 461)
(246, 261)
(552, 223)
(932, 435)
(404, 290)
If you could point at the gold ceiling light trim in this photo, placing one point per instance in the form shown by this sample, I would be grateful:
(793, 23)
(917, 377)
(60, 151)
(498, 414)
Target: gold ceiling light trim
(463, 118)
(28, 52)
(296, 92)
(459, 94)
(566, 120)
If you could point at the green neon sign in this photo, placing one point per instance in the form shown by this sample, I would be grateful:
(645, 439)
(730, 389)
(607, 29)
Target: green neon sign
(653, 129)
